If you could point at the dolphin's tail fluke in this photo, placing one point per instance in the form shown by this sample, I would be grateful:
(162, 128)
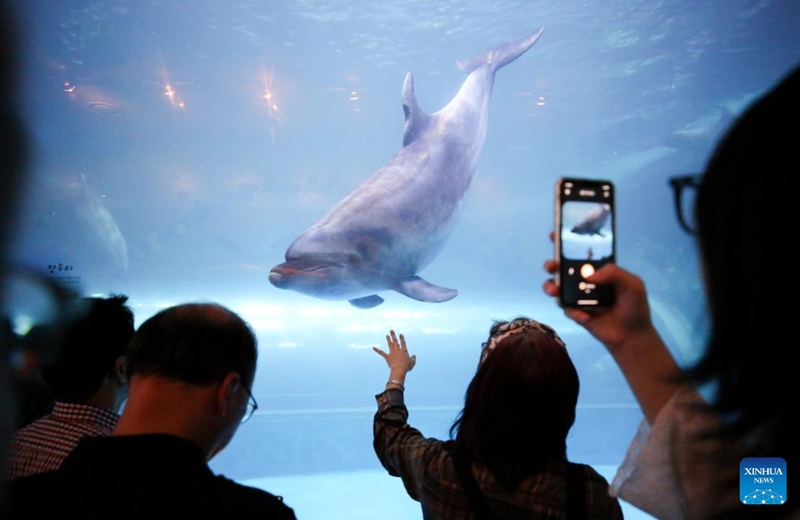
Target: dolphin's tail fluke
(502, 55)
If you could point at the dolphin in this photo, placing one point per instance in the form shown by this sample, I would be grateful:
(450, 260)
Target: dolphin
(593, 222)
(392, 226)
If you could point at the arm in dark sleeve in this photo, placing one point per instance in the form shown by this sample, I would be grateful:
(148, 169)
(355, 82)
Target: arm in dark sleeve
(402, 450)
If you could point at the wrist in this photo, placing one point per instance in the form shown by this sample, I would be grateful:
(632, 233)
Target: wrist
(394, 383)
(398, 374)
(634, 344)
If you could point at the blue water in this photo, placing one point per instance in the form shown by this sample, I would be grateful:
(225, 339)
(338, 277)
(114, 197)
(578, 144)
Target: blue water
(178, 151)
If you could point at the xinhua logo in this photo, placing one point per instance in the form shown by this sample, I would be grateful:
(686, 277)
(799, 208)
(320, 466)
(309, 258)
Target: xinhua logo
(762, 481)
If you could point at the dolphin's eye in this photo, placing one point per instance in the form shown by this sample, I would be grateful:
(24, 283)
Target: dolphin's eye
(354, 260)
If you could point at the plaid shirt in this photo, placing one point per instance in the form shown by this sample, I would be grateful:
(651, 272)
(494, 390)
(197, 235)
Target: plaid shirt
(44, 444)
(430, 478)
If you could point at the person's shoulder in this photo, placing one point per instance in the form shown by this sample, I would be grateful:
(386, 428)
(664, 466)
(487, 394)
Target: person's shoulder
(600, 504)
(33, 428)
(253, 499)
(589, 471)
(691, 414)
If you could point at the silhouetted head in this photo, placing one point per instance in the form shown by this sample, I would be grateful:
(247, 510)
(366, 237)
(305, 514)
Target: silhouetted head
(13, 155)
(91, 349)
(192, 368)
(13, 138)
(748, 198)
(745, 207)
(520, 405)
(195, 343)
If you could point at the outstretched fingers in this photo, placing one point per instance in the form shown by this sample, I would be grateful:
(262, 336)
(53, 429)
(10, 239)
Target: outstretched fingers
(397, 354)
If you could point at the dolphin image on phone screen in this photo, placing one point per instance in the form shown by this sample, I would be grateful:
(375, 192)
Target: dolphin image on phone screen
(594, 221)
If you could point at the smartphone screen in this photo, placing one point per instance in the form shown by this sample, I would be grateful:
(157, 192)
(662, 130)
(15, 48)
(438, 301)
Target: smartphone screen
(584, 240)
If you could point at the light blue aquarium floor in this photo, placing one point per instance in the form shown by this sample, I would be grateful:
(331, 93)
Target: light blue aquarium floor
(364, 495)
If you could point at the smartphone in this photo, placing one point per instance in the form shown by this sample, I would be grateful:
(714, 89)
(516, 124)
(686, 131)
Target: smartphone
(584, 239)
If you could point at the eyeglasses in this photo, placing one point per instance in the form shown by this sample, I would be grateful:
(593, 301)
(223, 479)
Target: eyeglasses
(252, 405)
(685, 190)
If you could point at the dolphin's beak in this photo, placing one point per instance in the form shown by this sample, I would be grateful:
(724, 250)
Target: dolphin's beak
(279, 274)
(283, 269)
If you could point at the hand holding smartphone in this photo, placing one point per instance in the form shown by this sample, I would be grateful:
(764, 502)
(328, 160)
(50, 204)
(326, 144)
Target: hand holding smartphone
(584, 240)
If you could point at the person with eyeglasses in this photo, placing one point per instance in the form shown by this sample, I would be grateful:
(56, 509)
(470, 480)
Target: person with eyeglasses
(507, 457)
(191, 369)
(686, 459)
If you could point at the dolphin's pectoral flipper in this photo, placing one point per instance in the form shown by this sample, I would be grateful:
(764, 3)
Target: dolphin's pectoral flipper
(415, 117)
(424, 291)
(367, 302)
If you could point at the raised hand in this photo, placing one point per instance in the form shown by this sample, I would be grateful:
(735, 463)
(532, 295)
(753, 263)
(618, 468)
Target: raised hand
(398, 359)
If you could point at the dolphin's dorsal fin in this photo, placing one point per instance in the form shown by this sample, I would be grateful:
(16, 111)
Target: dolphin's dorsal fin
(415, 117)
